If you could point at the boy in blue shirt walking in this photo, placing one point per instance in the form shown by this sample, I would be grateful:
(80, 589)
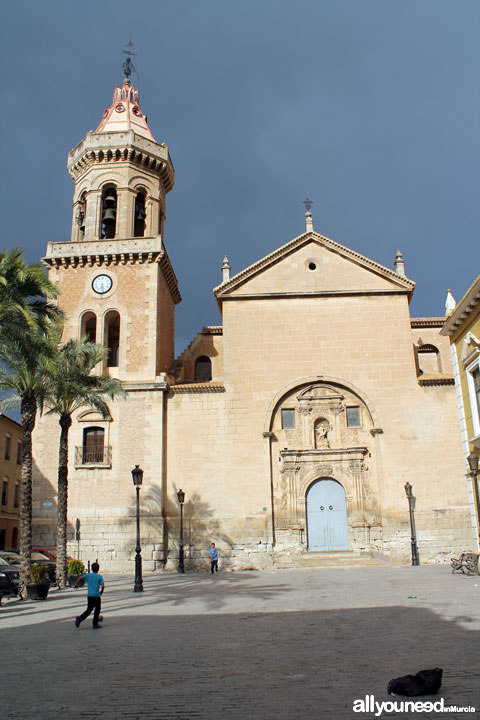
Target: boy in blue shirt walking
(95, 588)
(213, 553)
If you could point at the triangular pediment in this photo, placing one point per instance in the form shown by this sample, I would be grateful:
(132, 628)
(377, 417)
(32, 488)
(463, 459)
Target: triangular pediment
(470, 348)
(312, 264)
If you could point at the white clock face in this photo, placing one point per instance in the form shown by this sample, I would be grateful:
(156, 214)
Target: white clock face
(102, 284)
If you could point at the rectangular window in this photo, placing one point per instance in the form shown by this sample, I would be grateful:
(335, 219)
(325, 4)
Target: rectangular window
(19, 453)
(288, 419)
(5, 492)
(476, 387)
(16, 496)
(353, 417)
(473, 382)
(8, 441)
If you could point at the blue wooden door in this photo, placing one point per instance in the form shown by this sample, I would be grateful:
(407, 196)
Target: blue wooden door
(327, 516)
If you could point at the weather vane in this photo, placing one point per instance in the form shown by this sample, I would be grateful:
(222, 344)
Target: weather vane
(308, 204)
(128, 66)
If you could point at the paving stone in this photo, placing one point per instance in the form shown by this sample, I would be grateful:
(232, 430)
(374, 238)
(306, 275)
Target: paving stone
(273, 645)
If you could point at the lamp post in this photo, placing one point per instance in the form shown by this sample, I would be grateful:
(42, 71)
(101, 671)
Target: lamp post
(413, 539)
(137, 477)
(181, 500)
(473, 465)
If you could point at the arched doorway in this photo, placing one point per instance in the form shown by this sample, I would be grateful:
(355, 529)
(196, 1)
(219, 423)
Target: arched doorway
(327, 527)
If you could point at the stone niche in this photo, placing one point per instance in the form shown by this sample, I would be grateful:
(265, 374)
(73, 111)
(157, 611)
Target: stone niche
(323, 431)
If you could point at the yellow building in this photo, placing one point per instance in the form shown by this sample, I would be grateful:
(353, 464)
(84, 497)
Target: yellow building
(10, 474)
(463, 329)
(292, 426)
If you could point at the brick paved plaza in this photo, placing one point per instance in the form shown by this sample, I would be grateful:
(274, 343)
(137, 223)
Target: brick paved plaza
(274, 645)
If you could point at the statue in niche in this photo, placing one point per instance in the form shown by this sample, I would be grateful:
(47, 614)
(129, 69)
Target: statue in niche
(321, 435)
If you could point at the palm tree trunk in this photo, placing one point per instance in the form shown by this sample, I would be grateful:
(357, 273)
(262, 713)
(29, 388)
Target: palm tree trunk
(28, 412)
(62, 501)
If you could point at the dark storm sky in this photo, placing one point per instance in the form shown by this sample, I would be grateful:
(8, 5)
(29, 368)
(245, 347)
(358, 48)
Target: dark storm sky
(369, 107)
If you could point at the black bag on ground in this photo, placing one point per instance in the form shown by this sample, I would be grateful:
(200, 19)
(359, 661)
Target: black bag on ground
(425, 682)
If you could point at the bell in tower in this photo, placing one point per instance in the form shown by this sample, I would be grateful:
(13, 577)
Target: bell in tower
(109, 213)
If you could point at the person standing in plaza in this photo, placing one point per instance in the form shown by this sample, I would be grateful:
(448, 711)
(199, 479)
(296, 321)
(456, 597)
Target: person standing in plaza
(213, 553)
(95, 588)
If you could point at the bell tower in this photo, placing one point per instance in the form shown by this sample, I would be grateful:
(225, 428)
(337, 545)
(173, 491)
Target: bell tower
(115, 278)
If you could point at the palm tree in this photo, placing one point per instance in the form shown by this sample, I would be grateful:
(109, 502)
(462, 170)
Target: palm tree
(25, 292)
(25, 356)
(71, 387)
(25, 319)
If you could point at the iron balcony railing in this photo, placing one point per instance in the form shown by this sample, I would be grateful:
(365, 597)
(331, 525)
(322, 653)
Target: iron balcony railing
(93, 455)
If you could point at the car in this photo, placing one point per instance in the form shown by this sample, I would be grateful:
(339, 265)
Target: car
(11, 556)
(9, 578)
(50, 553)
(36, 557)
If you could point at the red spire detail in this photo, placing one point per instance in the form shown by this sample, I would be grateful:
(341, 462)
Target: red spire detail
(124, 113)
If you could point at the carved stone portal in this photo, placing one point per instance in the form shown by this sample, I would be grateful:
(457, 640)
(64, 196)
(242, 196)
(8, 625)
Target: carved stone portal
(321, 444)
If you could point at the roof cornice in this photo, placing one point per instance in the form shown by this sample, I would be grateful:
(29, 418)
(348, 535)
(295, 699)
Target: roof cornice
(125, 146)
(469, 302)
(427, 322)
(105, 253)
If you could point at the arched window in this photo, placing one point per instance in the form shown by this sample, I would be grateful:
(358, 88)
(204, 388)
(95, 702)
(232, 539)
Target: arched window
(89, 326)
(81, 215)
(429, 360)
(108, 224)
(203, 369)
(140, 215)
(161, 216)
(112, 337)
(93, 445)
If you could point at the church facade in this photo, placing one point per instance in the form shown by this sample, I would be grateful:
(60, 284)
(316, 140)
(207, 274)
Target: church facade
(292, 427)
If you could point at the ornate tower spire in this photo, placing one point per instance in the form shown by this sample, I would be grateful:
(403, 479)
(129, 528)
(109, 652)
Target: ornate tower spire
(124, 113)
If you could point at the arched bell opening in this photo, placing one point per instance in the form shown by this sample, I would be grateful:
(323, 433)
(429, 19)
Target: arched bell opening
(108, 225)
(429, 359)
(327, 526)
(112, 338)
(203, 369)
(89, 326)
(140, 215)
(80, 216)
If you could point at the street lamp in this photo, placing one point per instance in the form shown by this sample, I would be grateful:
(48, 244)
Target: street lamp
(137, 477)
(181, 500)
(413, 539)
(473, 465)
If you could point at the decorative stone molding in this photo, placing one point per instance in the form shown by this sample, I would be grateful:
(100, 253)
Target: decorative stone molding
(197, 388)
(325, 470)
(212, 330)
(435, 379)
(427, 322)
(121, 147)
